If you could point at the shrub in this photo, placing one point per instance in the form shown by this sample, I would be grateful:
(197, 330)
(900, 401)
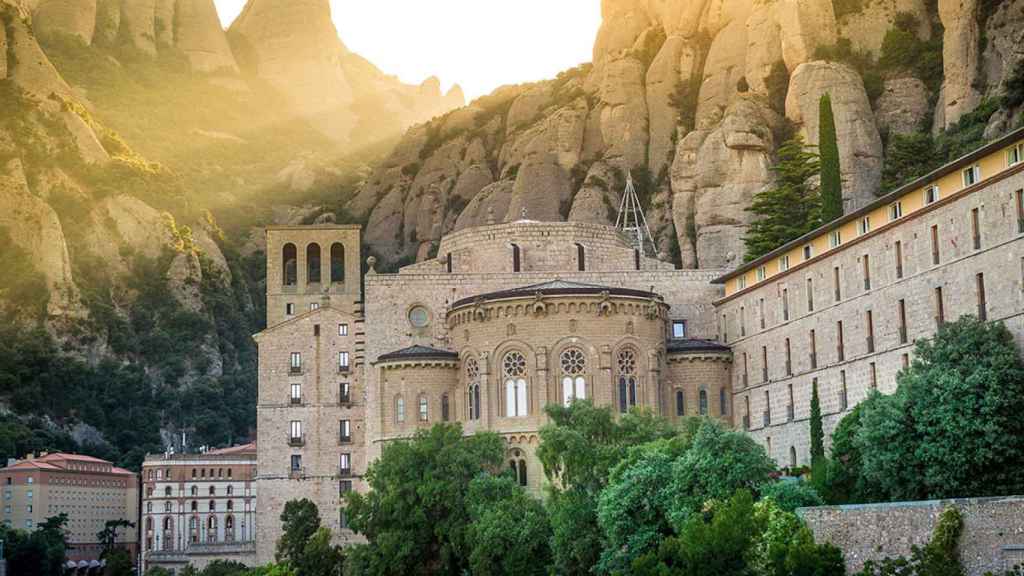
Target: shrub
(790, 495)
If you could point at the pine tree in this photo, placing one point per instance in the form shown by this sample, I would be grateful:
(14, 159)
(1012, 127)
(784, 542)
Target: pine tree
(828, 147)
(817, 432)
(792, 207)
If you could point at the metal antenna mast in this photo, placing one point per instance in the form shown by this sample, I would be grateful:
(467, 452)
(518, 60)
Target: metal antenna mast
(631, 220)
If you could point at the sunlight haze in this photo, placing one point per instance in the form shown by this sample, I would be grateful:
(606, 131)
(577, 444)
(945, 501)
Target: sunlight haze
(479, 44)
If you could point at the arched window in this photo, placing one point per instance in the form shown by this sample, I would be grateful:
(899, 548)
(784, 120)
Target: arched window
(229, 472)
(289, 273)
(444, 407)
(522, 473)
(424, 410)
(517, 466)
(168, 507)
(149, 507)
(399, 409)
(574, 367)
(581, 258)
(195, 506)
(212, 505)
(448, 262)
(231, 489)
(636, 259)
(195, 490)
(473, 392)
(212, 491)
(229, 522)
(703, 402)
(167, 523)
(337, 262)
(167, 492)
(517, 256)
(792, 457)
(514, 370)
(149, 523)
(680, 403)
(626, 364)
(193, 523)
(194, 470)
(231, 505)
(313, 263)
(211, 523)
(723, 402)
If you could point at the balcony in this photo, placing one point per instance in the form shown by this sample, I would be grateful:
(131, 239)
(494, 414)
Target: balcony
(345, 472)
(766, 418)
(299, 440)
(790, 413)
(295, 401)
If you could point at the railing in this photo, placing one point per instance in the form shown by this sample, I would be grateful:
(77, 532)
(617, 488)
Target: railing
(295, 401)
(345, 472)
(295, 369)
(345, 439)
(790, 413)
(299, 440)
(343, 369)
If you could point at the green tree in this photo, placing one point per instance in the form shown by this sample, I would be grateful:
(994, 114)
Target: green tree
(715, 543)
(300, 521)
(108, 536)
(319, 557)
(791, 494)
(817, 431)
(657, 487)
(509, 533)
(953, 427)
(828, 147)
(226, 568)
(119, 563)
(578, 449)
(415, 516)
(790, 208)
(158, 571)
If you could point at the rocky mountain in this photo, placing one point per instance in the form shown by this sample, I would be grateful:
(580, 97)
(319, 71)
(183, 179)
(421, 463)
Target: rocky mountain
(125, 126)
(692, 97)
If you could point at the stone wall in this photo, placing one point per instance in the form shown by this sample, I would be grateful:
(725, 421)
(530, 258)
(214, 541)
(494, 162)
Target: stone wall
(693, 373)
(992, 540)
(544, 246)
(845, 381)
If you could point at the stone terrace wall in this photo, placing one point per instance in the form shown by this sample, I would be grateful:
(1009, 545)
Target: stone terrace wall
(993, 537)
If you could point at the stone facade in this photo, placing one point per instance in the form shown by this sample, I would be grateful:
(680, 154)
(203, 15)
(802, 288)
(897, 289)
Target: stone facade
(848, 316)
(511, 317)
(310, 377)
(992, 540)
(197, 508)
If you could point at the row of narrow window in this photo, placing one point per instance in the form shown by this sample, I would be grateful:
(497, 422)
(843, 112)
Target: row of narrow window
(517, 259)
(870, 345)
(295, 362)
(866, 271)
(290, 262)
(194, 491)
(702, 403)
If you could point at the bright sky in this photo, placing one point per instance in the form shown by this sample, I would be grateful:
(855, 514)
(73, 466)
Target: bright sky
(480, 44)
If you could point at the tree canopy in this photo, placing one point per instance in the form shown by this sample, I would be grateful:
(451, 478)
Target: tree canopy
(791, 207)
(831, 176)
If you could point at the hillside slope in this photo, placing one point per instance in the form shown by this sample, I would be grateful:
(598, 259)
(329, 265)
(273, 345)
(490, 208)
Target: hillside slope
(124, 128)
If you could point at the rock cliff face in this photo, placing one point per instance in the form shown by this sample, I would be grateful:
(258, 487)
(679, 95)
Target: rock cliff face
(294, 45)
(693, 97)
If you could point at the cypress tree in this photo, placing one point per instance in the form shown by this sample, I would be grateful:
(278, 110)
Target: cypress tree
(828, 148)
(790, 208)
(817, 432)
